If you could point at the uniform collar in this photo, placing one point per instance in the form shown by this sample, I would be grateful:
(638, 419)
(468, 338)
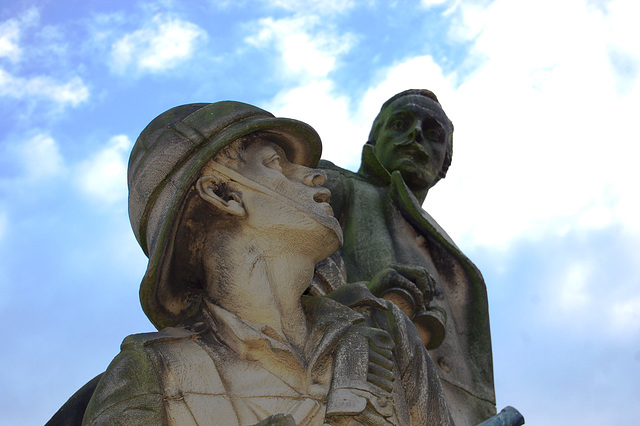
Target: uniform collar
(328, 321)
(372, 169)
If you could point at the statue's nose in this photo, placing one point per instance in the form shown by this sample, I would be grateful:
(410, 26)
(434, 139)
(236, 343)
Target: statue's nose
(416, 132)
(314, 178)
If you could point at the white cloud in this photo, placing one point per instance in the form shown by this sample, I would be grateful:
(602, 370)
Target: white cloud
(625, 316)
(307, 56)
(431, 3)
(572, 288)
(303, 51)
(414, 73)
(103, 177)
(165, 43)
(545, 139)
(73, 92)
(585, 296)
(10, 32)
(313, 6)
(316, 104)
(41, 158)
(3, 224)
(344, 130)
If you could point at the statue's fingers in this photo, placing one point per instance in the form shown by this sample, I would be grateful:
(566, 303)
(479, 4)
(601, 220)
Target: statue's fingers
(380, 360)
(378, 338)
(381, 372)
(387, 353)
(380, 382)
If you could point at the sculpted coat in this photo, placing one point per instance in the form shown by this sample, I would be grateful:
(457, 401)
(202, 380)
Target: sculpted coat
(226, 203)
(216, 367)
(384, 224)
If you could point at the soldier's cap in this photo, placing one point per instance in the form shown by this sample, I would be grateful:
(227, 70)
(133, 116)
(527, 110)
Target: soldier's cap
(165, 163)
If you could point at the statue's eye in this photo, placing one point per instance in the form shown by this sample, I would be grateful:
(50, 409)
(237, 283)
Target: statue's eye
(274, 162)
(434, 135)
(399, 124)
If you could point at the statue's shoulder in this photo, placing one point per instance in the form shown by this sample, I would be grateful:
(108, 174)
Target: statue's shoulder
(328, 165)
(166, 335)
(334, 170)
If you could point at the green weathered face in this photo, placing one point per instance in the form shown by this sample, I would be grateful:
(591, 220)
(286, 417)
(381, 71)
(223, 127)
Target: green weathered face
(413, 139)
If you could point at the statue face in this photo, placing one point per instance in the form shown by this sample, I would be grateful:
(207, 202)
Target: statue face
(412, 139)
(287, 201)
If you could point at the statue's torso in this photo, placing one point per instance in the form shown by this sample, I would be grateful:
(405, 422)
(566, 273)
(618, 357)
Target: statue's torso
(381, 228)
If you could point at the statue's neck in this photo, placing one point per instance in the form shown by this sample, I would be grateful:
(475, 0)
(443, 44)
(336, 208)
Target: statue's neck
(420, 194)
(265, 288)
(376, 173)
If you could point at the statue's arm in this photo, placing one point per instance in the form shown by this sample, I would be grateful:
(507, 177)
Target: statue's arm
(416, 370)
(418, 373)
(129, 393)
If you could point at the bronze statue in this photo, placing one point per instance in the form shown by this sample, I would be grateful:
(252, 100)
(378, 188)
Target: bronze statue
(260, 320)
(396, 246)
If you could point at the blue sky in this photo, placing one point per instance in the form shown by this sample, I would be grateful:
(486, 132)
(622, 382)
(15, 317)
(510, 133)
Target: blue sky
(541, 195)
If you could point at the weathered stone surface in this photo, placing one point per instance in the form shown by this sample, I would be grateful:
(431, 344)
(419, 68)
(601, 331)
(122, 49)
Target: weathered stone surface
(396, 246)
(226, 203)
(261, 319)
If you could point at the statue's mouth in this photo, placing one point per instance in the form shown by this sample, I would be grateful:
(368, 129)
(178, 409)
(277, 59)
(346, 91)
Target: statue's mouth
(414, 148)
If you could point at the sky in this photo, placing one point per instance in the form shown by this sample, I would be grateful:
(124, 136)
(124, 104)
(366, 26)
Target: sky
(541, 194)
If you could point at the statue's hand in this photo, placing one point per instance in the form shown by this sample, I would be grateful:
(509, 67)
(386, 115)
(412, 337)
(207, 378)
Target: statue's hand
(380, 370)
(410, 287)
(356, 399)
(279, 419)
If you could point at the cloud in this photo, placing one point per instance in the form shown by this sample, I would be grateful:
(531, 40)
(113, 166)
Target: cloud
(10, 32)
(3, 224)
(317, 104)
(588, 282)
(344, 127)
(417, 72)
(544, 138)
(625, 316)
(306, 56)
(103, 177)
(163, 44)
(313, 6)
(431, 3)
(41, 158)
(303, 51)
(73, 92)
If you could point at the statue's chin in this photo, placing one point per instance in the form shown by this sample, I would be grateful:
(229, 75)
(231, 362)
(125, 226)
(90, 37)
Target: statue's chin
(331, 238)
(418, 179)
(335, 237)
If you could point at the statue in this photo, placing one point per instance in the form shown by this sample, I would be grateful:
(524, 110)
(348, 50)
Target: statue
(405, 256)
(224, 200)
(260, 320)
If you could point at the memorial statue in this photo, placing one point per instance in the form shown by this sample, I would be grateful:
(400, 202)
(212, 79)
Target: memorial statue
(387, 234)
(261, 319)
(224, 200)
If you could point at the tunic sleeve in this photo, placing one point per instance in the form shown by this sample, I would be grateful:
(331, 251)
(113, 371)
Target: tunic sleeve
(129, 393)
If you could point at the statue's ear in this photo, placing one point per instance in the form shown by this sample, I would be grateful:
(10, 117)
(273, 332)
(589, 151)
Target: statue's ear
(212, 191)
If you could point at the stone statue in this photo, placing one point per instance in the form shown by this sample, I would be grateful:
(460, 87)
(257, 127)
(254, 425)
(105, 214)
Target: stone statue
(261, 321)
(224, 200)
(405, 256)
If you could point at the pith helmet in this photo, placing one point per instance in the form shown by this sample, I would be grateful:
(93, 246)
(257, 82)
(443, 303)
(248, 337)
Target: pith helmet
(165, 163)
